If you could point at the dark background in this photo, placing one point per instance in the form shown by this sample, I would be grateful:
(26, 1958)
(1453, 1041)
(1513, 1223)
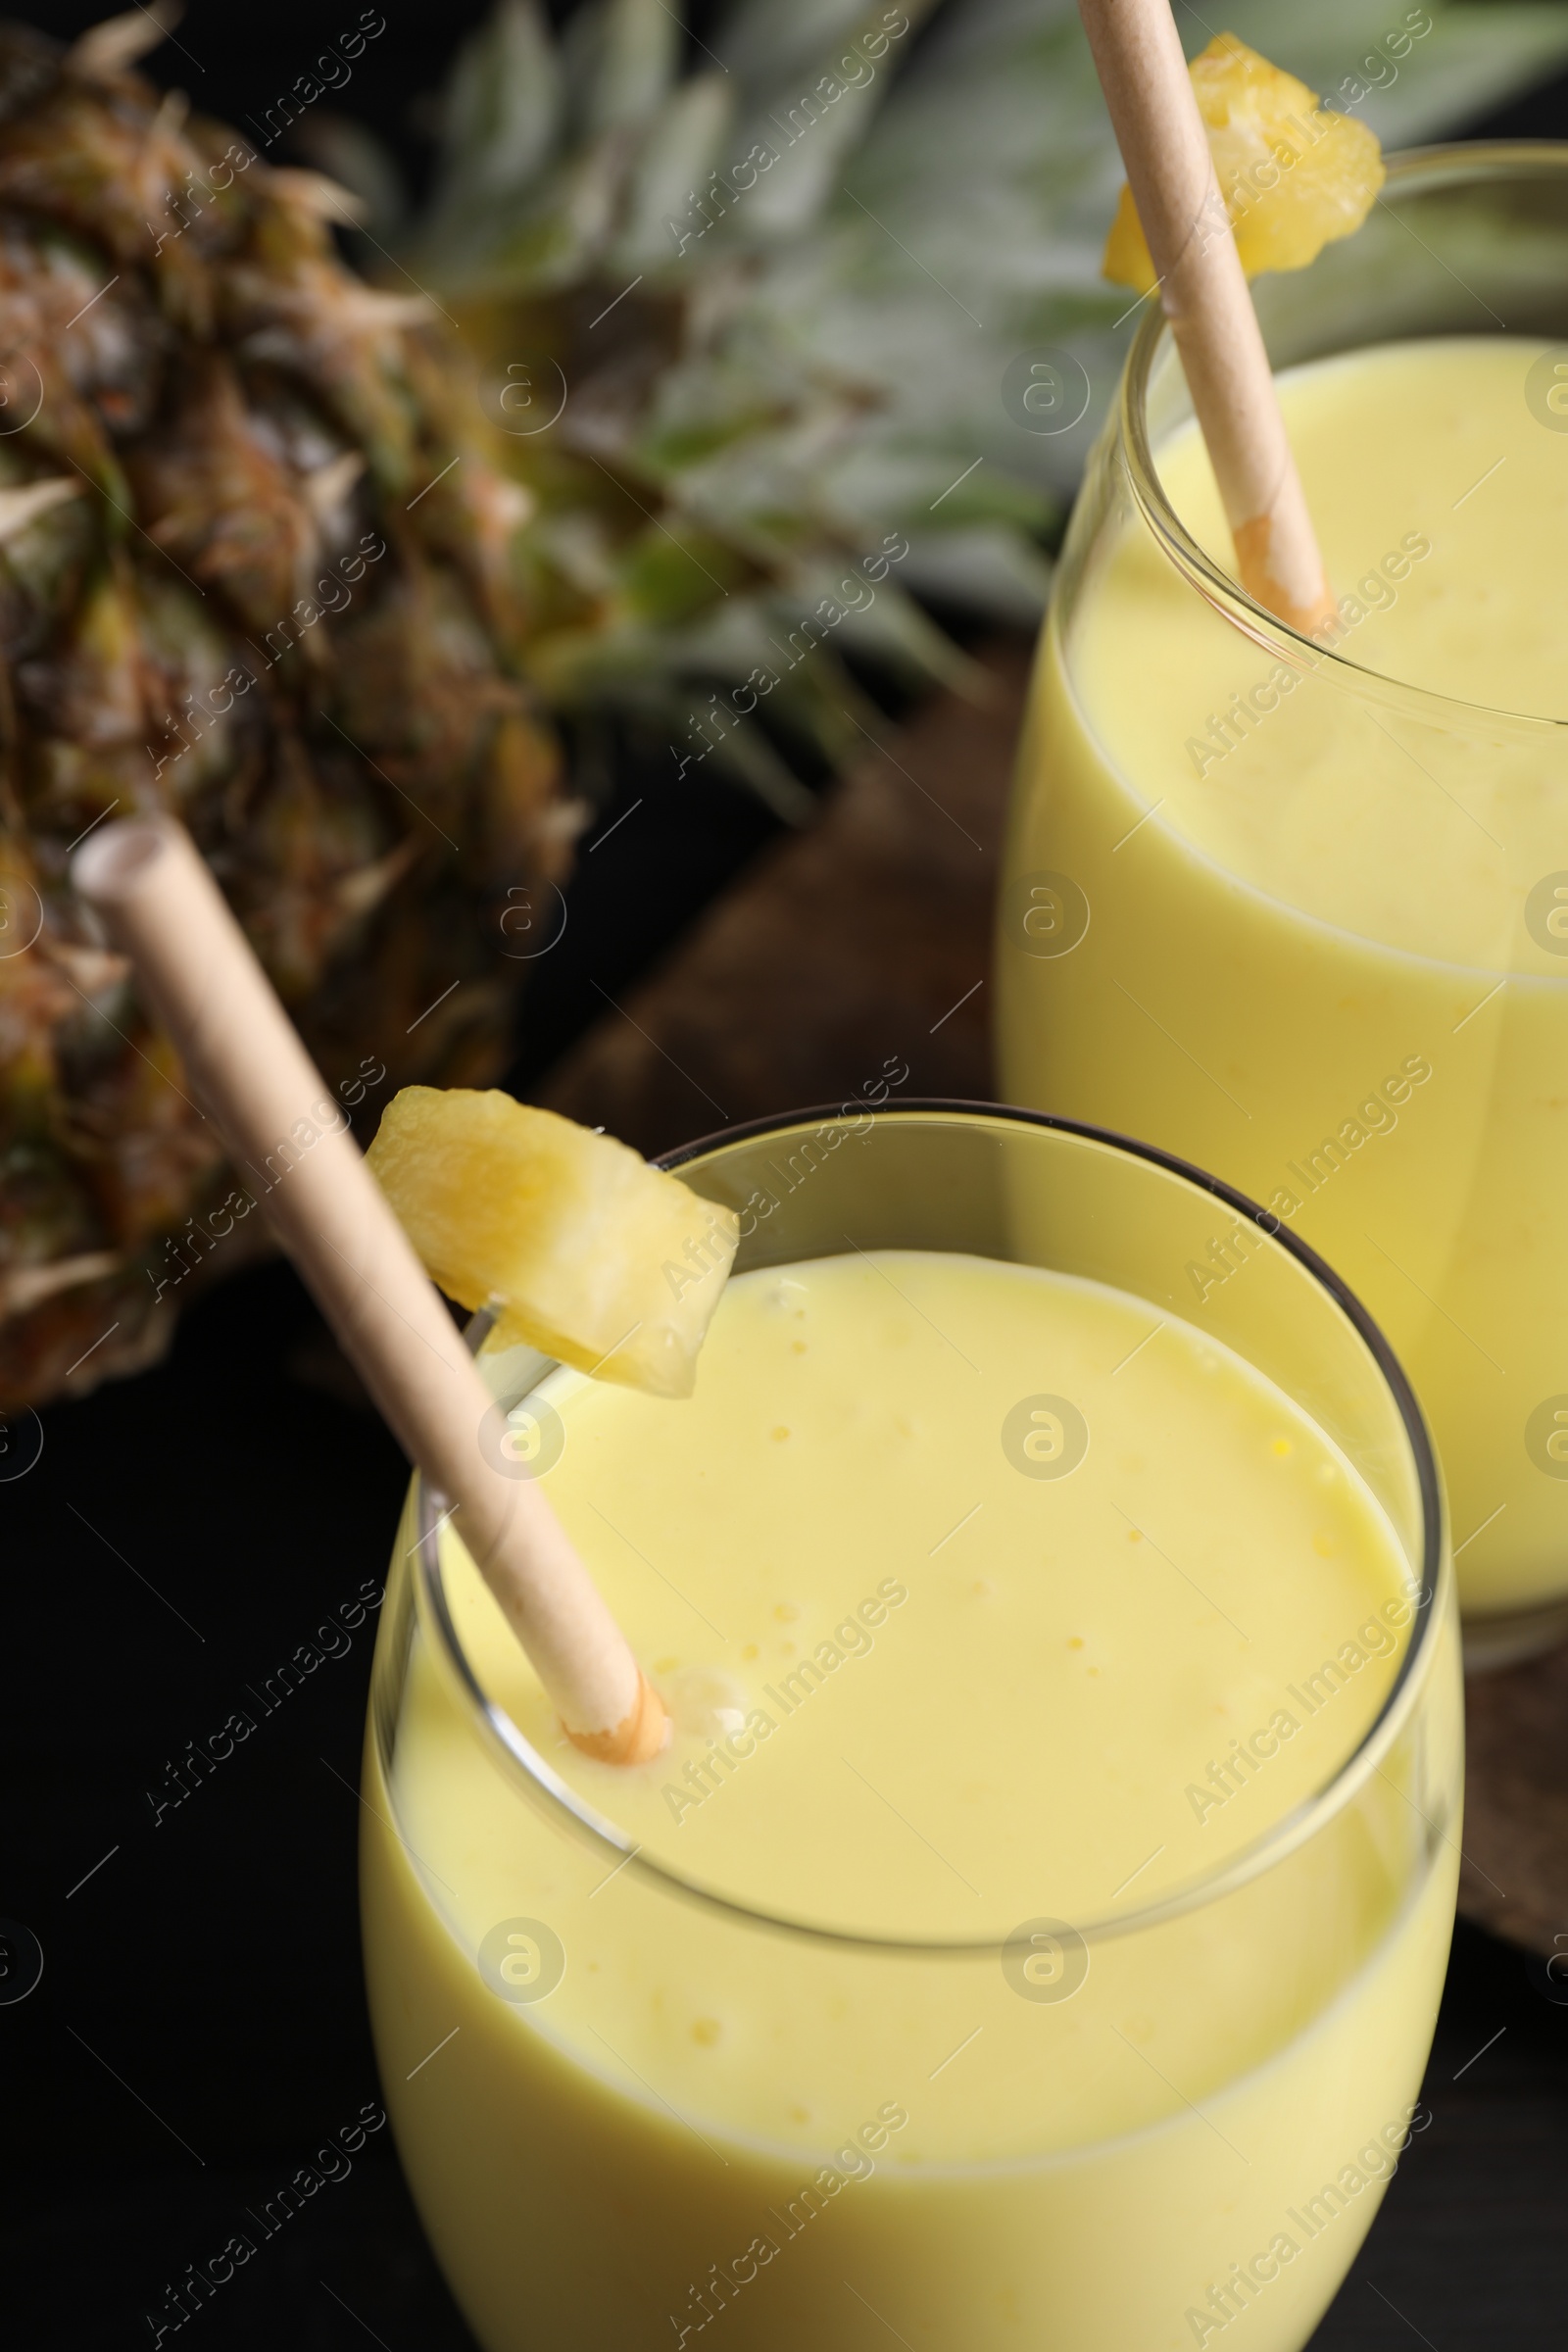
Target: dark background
(200, 2028)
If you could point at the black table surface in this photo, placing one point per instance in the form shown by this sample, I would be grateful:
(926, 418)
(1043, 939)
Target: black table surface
(199, 2030)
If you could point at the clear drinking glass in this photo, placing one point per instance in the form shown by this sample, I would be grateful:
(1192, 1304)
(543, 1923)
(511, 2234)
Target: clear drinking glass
(1363, 1020)
(1194, 2100)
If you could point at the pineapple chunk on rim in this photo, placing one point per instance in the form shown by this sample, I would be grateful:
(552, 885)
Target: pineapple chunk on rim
(593, 1256)
(1295, 175)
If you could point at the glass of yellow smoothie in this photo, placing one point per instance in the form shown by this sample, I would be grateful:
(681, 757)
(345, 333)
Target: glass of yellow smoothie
(1034, 1929)
(1299, 910)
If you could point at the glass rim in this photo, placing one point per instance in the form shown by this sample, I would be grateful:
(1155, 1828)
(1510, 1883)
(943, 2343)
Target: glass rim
(1449, 163)
(542, 1785)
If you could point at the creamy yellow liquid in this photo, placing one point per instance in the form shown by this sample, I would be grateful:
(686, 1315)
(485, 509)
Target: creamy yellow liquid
(1313, 961)
(926, 1692)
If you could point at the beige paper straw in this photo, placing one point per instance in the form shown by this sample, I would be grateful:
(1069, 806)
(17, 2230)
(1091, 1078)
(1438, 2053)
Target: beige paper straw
(245, 1062)
(1202, 287)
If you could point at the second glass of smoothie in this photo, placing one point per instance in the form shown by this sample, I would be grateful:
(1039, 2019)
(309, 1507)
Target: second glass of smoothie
(1300, 911)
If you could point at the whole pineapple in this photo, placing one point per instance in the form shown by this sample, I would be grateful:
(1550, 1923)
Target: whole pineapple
(741, 315)
(255, 568)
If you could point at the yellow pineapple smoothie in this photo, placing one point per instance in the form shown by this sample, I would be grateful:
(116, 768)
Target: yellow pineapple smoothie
(996, 1614)
(1304, 920)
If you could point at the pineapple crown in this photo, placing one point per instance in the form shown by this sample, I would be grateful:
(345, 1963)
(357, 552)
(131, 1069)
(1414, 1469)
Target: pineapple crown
(787, 287)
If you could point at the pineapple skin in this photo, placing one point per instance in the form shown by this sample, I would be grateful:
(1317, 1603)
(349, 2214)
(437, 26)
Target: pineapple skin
(256, 568)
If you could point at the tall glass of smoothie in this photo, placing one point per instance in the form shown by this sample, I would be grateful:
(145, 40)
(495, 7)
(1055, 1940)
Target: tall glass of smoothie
(1034, 1930)
(1299, 910)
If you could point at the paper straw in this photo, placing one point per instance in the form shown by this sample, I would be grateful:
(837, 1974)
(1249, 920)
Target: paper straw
(1204, 290)
(282, 1126)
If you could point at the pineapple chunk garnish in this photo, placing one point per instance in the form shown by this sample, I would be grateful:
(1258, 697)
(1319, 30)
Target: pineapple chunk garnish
(587, 1253)
(1293, 175)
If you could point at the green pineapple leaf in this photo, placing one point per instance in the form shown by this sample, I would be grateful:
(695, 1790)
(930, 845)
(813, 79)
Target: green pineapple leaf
(621, 58)
(786, 283)
(502, 114)
(1473, 58)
